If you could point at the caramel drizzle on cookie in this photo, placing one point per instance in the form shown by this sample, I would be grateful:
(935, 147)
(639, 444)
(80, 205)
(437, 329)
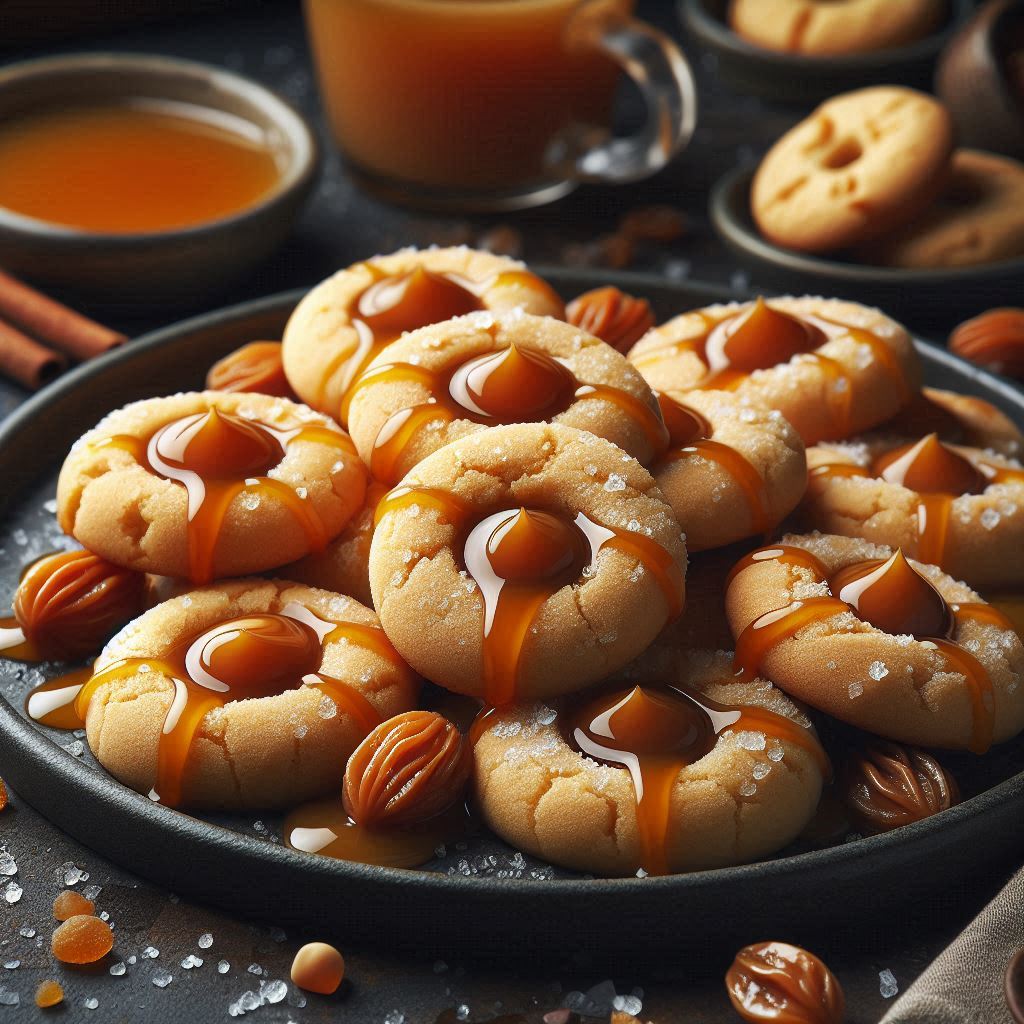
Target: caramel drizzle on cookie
(655, 732)
(889, 594)
(521, 557)
(690, 436)
(514, 384)
(937, 472)
(258, 655)
(393, 304)
(760, 337)
(219, 457)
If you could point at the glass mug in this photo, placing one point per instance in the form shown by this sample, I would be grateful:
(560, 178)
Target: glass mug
(494, 104)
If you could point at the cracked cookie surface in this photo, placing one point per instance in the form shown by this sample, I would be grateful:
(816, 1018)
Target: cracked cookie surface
(723, 496)
(861, 165)
(433, 609)
(261, 752)
(896, 686)
(543, 796)
(112, 501)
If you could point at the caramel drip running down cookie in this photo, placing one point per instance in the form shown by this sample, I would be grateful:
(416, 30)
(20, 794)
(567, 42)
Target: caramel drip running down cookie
(689, 435)
(938, 473)
(218, 456)
(396, 303)
(508, 385)
(891, 595)
(736, 345)
(521, 557)
(245, 657)
(654, 732)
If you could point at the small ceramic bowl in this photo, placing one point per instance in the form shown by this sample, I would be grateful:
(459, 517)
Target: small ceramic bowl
(801, 79)
(931, 301)
(172, 266)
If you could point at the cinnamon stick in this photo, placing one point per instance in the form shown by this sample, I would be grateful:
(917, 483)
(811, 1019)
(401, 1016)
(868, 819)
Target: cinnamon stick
(77, 335)
(26, 361)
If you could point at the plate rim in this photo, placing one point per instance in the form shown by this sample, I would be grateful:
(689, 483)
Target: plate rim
(48, 755)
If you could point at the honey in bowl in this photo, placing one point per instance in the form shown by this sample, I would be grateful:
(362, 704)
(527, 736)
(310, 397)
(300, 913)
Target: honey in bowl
(133, 167)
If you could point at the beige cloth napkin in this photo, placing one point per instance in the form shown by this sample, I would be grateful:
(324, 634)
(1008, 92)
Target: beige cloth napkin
(965, 983)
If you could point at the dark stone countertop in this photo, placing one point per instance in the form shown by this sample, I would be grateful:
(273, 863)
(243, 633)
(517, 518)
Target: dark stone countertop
(266, 42)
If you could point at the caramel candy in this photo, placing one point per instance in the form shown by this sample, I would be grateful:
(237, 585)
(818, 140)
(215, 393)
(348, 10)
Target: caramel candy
(49, 993)
(409, 769)
(318, 967)
(68, 604)
(253, 367)
(71, 904)
(994, 339)
(619, 319)
(886, 785)
(774, 981)
(82, 940)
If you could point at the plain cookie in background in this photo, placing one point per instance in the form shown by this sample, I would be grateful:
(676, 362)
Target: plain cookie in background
(860, 166)
(978, 218)
(820, 28)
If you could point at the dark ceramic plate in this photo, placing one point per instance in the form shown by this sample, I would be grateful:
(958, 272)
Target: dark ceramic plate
(801, 79)
(234, 862)
(932, 301)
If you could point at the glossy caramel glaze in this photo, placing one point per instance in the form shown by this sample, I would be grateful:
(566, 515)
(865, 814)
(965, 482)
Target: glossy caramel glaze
(256, 367)
(218, 456)
(241, 658)
(67, 604)
(937, 472)
(654, 732)
(891, 595)
(783, 984)
(521, 557)
(760, 337)
(506, 385)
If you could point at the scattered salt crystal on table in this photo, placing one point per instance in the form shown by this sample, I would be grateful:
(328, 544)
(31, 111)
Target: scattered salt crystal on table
(161, 978)
(273, 991)
(628, 1004)
(205, 941)
(118, 969)
(90, 1003)
(223, 967)
(13, 892)
(8, 865)
(887, 984)
(27, 932)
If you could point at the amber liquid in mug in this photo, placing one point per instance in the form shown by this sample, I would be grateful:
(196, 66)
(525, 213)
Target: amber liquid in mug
(132, 167)
(468, 94)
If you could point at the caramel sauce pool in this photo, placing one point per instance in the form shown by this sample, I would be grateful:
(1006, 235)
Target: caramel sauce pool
(134, 167)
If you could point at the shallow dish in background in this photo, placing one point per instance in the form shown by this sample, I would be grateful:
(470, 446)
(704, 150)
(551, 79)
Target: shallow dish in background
(220, 861)
(158, 266)
(930, 300)
(801, 79)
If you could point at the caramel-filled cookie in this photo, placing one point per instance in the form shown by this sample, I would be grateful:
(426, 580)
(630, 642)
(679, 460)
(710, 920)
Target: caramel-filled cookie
(978, 218)
(208, 485)
(338, 328)
(860, 166)
(245, 694)
(954, 506)
(834, 27)
(733, 468)
(443, 382)
(831, 368)
(890, 645)
(674, 766)
(525, 561)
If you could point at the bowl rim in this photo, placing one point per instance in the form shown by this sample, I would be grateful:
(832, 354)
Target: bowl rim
(713, 31)
(303, 145)
(48, 757)
(733, 188)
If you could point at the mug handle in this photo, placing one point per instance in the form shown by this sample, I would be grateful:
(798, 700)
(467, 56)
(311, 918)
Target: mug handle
(663, 76)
